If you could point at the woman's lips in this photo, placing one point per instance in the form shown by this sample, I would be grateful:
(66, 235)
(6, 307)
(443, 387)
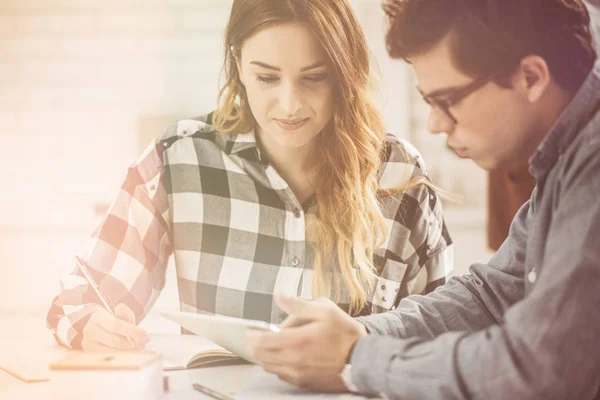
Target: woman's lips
(291, 124)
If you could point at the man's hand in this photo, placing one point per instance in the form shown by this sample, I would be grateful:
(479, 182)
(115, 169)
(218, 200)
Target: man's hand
(107, 332)
(310, 355)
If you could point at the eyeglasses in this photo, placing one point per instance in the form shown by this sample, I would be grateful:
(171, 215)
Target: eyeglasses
(458, 95)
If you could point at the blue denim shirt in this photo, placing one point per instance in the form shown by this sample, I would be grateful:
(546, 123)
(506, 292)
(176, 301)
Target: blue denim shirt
(526, 325)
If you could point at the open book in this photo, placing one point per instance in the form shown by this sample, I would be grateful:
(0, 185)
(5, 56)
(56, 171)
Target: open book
(190, 351)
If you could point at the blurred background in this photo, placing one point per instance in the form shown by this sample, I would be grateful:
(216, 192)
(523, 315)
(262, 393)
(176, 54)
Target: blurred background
(86, 84)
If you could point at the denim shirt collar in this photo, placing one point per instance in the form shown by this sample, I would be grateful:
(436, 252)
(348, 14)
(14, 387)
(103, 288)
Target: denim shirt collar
(569, 125)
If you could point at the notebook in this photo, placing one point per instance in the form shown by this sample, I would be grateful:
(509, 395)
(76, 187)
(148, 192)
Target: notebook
(190, 351)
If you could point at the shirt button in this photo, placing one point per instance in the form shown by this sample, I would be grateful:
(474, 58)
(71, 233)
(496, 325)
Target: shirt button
(384, 298)
(295, 261)
(531, 276)
(382, 287)
(297, 213)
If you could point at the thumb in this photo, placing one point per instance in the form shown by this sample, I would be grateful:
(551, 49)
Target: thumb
(302, 309)
(125, 313)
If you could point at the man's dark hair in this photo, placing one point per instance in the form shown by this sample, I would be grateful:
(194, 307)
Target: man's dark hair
(493, 36)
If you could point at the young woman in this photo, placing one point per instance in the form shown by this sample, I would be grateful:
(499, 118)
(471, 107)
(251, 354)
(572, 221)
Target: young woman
(290, 186)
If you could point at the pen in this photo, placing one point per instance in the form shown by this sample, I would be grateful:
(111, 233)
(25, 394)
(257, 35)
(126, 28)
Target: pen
(84, 268)
(212, 393)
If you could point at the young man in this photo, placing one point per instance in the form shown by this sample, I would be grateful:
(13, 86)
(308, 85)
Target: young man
(504, 78)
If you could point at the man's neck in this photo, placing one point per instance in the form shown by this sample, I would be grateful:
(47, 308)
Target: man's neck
(557, 103)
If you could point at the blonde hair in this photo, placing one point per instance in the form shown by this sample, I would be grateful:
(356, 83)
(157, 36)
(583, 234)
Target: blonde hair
(349, 222)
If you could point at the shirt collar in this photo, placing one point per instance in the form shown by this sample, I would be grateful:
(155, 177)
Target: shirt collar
(244, 145)
(569, 124)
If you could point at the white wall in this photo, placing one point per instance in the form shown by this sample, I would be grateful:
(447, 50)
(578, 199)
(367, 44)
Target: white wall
(82, 84)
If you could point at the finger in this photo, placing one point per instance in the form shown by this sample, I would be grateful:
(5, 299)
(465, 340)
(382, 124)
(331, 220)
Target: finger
(303, 309)
(289, 358)
(251, 338)
(254, 340)
(277, 341)
(114, 341)
(287, 346)
(285, 373)
(117, 326)
(93, 346)
(277, 369)
(292, 321)
(125, 313)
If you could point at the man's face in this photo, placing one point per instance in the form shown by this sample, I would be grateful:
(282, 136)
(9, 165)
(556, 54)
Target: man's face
(494, 125)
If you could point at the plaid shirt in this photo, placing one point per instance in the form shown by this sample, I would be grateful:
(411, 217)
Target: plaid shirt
(238, 234)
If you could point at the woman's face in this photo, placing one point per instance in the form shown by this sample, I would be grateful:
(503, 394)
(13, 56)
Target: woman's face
(288, 84)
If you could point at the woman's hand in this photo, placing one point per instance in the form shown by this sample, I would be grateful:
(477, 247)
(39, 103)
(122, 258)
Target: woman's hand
(107, 332)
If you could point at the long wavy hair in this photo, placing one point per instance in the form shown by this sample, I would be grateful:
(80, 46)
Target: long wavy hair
(349, 223)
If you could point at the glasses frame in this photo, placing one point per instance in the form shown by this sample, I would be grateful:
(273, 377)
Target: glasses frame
(443, 106)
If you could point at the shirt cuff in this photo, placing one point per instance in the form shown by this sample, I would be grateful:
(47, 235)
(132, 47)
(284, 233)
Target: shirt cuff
(372, 328)
(388, 324)
(370, 360)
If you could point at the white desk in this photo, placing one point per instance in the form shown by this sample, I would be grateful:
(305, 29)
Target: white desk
(247, 382)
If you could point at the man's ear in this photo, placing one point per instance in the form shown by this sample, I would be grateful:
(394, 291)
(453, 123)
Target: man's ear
(533, 77)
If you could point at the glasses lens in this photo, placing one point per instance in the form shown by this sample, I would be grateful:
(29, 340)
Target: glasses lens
(441, 108)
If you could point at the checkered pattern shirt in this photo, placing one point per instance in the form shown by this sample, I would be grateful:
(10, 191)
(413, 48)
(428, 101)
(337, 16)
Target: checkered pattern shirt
(238, 234)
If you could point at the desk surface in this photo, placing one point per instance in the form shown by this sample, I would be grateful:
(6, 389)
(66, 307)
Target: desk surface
(245, 381)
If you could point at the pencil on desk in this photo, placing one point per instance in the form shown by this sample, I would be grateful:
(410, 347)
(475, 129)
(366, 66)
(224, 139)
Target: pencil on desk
(212, 393)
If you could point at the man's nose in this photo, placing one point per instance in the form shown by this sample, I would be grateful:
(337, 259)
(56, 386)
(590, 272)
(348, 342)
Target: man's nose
(438, 122)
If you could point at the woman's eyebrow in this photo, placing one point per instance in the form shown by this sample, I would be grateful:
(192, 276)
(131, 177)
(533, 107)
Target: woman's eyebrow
(274, 68)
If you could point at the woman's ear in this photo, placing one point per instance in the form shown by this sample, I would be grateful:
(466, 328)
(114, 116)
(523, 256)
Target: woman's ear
(533, 77)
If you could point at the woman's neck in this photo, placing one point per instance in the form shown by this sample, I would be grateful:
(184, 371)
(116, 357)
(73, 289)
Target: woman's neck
(293, 164)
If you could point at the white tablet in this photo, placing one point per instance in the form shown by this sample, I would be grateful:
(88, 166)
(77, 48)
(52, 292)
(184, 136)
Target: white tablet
(227, 332)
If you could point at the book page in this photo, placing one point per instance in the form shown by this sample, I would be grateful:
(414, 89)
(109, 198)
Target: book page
(179, 350)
